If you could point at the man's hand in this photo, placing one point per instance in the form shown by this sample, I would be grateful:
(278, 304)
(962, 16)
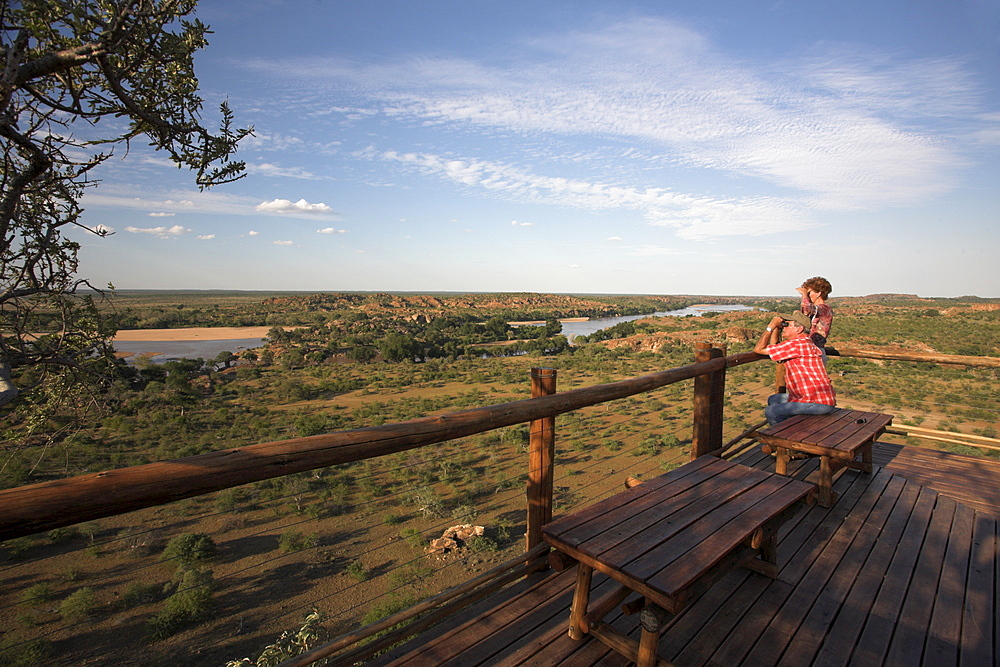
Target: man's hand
(770, 335)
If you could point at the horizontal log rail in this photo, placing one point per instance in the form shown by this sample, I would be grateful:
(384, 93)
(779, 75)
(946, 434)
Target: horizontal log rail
(979, 441)
(961, 360)
(40, 507)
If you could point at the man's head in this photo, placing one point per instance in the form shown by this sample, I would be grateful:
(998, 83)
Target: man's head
(818, 284)
(796, 323)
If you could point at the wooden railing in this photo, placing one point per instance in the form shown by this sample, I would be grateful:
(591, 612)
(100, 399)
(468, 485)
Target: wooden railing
(40, 507)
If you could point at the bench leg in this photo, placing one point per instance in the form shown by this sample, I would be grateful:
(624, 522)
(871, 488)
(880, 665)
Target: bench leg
(781, 460)
(866, 457)
(652, 620)
(581, 598)
(826, 494)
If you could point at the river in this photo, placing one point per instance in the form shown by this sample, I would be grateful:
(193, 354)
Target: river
(164, 351)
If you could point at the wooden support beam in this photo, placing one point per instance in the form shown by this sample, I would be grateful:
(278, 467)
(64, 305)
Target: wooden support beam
(541, 459)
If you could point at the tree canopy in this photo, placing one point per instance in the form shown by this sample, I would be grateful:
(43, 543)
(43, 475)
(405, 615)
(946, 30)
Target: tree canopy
(82, 79)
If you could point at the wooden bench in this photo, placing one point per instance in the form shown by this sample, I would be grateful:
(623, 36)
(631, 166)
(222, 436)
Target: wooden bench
(838, 438)
(669, 539)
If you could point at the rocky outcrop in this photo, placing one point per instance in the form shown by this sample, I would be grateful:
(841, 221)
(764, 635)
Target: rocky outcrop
(454, 539)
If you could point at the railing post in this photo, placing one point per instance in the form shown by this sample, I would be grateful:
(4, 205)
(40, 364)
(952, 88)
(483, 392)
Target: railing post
(541, 459)
(709, 394)
(779, 379)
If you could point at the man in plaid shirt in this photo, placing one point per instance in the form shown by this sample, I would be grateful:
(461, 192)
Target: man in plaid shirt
(810, 391)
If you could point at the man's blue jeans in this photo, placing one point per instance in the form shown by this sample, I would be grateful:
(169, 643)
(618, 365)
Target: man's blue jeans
(779, 408)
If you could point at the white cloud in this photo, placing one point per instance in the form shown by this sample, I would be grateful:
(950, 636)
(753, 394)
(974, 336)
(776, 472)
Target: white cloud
(267, 169)
(161, 214)
(282, 206)
(284, 243)
(614, 238)
(694, 217)
(103, 230)
(522, 224)
(843, 128)
(331, 230)
(162, 232)
(206, 237)
(253, 233)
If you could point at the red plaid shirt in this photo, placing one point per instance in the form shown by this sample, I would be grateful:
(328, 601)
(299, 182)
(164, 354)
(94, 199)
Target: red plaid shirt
(805, 373)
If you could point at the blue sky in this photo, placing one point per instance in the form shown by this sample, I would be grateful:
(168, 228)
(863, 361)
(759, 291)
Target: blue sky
(583, 146)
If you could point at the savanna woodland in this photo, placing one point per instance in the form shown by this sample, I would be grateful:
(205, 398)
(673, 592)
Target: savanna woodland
(252, 574)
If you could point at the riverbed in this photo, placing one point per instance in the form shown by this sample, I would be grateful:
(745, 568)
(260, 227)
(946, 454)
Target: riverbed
(162, 345)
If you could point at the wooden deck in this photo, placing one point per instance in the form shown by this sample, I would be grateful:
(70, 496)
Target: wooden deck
(902, 570)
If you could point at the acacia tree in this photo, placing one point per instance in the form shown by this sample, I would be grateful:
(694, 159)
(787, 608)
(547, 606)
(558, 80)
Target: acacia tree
(79, 80)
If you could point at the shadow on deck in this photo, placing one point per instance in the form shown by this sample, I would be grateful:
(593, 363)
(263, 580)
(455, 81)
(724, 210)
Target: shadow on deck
(902, 570)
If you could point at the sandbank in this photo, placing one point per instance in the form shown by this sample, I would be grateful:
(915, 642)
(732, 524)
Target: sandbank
(192, 333)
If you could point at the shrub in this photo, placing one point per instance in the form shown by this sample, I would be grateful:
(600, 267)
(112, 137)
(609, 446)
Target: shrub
(357, 571)
(388, 607)
(413, 538)
(137, 593)
(79, 605)
(60, 535)
(18, 547)
(480, 544)
(293, 540)
(25, 654)
(36, 594)
(190, 604)
(189, 548)
(289, 644)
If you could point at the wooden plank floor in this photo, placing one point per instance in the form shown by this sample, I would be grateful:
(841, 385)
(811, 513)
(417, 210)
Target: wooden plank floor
(895, 573)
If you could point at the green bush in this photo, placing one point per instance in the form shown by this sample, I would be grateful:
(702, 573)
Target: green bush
(137, 593)
(79, 605)
(388, 607)
(37, 594)
(190, 604)
(25, 654)
(357, 571)
(413, 538)
(480, 544)
(293, 540)
(189, 549)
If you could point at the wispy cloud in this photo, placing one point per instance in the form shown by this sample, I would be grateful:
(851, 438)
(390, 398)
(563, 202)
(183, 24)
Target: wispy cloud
(515, 223)
(162, 232)
(331, 230)
(284, 243)
(836, 127)
(113, 195)
(282, 206)
(205, 237)
(267, 169)
(694, 217)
